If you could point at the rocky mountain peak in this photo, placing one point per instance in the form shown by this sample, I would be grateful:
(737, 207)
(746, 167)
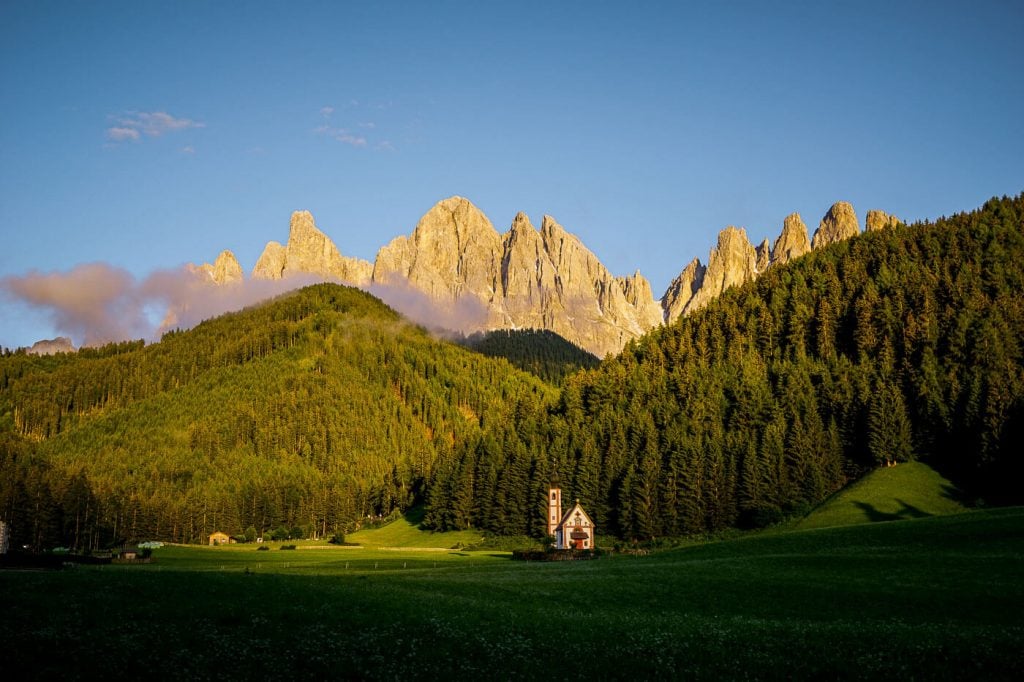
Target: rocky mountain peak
(763, 254)
(880, 220)
(682, 289)
(309, 251)
(838, 224)
(61, 344)
(793, 241)
(225, 269)
(732, 262)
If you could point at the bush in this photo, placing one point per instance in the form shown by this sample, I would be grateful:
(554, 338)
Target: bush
(279, 533)
(337, 539)
(287, 546)
(262, 548)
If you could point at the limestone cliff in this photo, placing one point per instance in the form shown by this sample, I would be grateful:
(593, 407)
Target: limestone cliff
(61, 344)
(225, 269)
(732, 262)
(524, 278)
(682, 290)
(530, 278)
(309, 251)
(880, 220)
(838, 224)
(793, 241)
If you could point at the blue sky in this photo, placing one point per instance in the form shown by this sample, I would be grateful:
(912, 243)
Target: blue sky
(146, 135)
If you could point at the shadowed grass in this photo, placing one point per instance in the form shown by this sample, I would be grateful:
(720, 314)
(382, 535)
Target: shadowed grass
(938, 597)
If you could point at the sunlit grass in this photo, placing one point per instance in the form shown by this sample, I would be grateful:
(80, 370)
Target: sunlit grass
(906, 491)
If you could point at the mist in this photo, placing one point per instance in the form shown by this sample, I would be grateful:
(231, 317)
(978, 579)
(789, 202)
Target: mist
(97, 303)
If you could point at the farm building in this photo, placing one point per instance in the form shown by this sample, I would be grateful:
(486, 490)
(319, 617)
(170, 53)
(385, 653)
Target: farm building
(219, 538)
(571, 530)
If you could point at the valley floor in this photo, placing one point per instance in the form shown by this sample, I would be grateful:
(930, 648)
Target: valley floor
(931, 598)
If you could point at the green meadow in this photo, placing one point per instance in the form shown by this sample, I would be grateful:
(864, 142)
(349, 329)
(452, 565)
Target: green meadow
(909, 491)
(926, 598)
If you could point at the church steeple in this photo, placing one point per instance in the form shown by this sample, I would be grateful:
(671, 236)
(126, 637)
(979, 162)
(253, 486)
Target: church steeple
(554, 512)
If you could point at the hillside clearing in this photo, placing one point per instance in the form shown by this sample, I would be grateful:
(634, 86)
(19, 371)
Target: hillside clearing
(906, 491)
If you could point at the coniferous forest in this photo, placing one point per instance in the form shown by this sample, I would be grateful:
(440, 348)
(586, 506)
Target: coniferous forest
(891, 346)
(323, 407)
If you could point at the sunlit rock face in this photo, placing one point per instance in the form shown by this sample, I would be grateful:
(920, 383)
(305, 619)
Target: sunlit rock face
(838, 224)
(793, 242)
(61, 344)
(525, 278)
(225, 269)
(880, 220)
(731, 263)
(533, 278)
(309, 251)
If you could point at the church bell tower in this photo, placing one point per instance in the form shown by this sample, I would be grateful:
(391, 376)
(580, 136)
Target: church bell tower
(555, 514)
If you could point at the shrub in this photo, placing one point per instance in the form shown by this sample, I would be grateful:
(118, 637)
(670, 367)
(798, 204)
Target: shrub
(262, 548)
(287, 546)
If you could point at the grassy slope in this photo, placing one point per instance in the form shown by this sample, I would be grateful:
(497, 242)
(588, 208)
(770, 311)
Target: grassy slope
(928, 598)
(907, 491)
(405, 532)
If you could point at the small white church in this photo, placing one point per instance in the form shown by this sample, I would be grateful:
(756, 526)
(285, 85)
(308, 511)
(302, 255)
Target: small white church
(572, 530)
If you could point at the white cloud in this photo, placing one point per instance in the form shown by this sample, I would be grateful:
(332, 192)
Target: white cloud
(341, 135)
(121, 134)
(326, 111)
(134, 124)
(188, 149)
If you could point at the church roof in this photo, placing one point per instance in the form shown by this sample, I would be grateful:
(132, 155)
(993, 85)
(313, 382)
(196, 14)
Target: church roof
(572, 512)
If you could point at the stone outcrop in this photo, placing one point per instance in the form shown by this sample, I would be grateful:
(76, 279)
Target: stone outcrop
(682, 290)
(309, 251)
(838, 224)
(530, 278)
(525, 278)
(763, 256)
(793, 241)
(61, 344)
(453, 251)
(225, 270)
(732, 262)
(880, 220)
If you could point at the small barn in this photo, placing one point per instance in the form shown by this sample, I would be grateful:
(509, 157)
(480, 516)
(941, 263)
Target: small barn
(219, 538)
(572, 530)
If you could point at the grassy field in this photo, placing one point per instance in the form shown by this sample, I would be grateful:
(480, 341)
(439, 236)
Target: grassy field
(907, 491)
(405, 532)
(930, 598)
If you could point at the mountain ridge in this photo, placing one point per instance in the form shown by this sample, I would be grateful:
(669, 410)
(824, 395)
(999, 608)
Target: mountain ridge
(529, 278)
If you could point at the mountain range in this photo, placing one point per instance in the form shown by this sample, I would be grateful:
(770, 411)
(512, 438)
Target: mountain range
(529, 278)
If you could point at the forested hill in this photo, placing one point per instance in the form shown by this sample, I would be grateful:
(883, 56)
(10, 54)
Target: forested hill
(315, 409)
(538, 351)
(893, 345)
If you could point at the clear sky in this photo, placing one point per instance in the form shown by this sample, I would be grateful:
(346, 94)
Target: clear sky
(145, 135)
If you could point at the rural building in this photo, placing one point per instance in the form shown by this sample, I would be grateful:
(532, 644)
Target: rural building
(219, 538)
(571, 530)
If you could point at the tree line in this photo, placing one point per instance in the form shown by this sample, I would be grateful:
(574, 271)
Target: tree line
(890, 346)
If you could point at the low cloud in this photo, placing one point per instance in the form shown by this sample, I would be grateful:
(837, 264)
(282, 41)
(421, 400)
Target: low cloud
(122, 134)
(136, 124)
(93, 303)
(98, 303)
(464, 314)
(341, 135)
